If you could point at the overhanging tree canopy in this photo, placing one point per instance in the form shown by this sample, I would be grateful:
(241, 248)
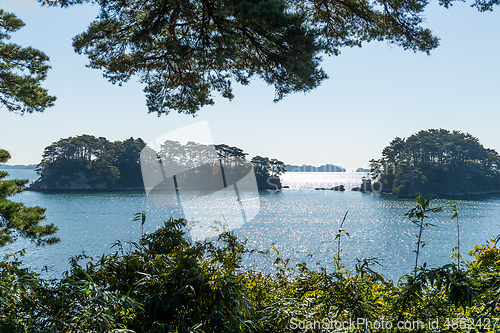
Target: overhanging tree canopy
(185, 50)
(21, 72)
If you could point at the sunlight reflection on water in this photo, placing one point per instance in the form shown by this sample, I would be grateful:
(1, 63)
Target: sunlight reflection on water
(299, 221)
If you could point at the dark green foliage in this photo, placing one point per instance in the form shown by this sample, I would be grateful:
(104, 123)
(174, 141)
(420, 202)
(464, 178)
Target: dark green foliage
(437, 162)
(209, 167)
(21, 72)
(166, 283)
(127, 162)
(184, 51)
(19, 296)
(202, 167)
(87, 162)
(29, 303)
(453, 299)
(16, 218)
(267, 172)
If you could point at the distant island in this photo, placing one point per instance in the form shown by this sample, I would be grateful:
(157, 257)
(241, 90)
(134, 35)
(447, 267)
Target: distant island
(310, 168)
(362, 170)
(87, 163)
(18, 166)
(437, 163)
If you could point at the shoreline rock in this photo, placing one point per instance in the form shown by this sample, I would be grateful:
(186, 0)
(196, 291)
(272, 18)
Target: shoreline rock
(335, 188)
(453, 195)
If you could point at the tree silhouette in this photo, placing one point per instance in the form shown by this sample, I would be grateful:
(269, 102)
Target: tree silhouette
(96, 162)
(184, 51)
(17, 219)
(21, 72)
(437, 161)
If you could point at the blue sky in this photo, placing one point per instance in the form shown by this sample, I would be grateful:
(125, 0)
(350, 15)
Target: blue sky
(374, 94)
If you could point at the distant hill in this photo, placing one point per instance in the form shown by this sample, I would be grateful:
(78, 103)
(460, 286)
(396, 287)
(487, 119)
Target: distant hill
(30, 166)
(362, 170)
(310, 168)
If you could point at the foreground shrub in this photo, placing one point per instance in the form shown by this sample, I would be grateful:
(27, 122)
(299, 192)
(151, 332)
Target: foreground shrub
(166, 283)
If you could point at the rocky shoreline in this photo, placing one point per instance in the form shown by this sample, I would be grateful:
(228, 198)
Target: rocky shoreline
(455, 195)
(85, 190)
(368, 187)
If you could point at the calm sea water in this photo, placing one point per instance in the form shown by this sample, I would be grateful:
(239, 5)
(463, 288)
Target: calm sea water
(298, 221)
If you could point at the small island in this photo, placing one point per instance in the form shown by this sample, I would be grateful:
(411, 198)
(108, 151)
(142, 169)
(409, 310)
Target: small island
(89, 164)
(437, 163)
(18, 166)
(310, 168)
